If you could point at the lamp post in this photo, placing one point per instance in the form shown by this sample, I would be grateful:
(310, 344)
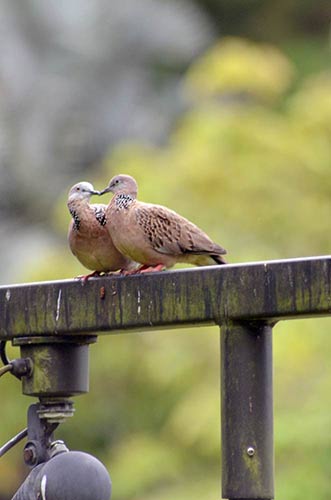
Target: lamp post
(57, 369)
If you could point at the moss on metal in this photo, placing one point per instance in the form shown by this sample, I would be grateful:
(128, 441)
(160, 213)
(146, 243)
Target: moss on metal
(268, 290)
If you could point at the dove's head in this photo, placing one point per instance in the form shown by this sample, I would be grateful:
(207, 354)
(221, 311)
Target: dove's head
(122, 184)
(82, 191)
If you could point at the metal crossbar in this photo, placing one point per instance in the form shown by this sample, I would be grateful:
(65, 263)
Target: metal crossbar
(246, 300)
(268, 291)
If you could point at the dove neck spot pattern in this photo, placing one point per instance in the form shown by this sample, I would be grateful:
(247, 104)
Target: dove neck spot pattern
(123, 201)
(76, 218)
(100, 215)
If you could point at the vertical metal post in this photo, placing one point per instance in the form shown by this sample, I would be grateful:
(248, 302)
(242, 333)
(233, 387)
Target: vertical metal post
(247, 411)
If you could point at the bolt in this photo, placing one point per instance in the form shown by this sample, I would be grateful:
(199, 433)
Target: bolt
(250, 451)
(30, 455)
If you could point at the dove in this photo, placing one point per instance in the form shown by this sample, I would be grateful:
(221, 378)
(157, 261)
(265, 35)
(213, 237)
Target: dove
(153, 235)
(89, 240)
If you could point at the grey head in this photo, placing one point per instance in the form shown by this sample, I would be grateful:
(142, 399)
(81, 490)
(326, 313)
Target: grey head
(122, 184)
(82, 191)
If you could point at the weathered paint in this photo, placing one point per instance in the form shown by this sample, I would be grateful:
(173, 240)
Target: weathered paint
(261, 291)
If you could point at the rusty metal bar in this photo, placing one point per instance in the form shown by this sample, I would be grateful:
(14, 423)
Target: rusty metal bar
(211, 295)
(247, 411)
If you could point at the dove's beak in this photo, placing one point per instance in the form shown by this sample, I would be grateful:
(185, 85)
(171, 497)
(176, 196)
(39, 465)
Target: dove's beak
(106, 190)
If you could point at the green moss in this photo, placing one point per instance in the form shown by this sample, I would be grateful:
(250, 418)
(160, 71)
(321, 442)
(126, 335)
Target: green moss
(42, 377)
(253, 466)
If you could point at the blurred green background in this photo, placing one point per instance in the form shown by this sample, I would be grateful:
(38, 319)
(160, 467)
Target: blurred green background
(222, 111)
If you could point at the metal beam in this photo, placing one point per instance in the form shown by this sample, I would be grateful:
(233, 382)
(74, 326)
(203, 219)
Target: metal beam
(247, 411)
(267, 291)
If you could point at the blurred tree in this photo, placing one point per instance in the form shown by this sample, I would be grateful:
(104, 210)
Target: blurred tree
(268, 20)
(75, 79)
(236, 69)
(249, 161)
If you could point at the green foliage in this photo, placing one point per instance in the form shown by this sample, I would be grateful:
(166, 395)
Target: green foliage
(241, 67)
(250, 164)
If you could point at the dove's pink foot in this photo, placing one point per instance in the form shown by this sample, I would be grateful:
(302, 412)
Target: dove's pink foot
(125, 272)
(143, 269)
(151, 269)
(85, 277)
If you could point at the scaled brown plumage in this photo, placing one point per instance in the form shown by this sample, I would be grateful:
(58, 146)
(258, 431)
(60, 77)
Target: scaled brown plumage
(154, 235)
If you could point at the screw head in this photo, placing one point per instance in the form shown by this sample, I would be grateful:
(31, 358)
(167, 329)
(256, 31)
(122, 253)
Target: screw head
(250, 451)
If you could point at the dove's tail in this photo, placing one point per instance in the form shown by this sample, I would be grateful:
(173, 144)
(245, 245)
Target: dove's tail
(219, 259)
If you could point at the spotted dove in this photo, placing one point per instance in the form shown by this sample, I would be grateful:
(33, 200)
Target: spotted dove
(154, 235)
(89, 240)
